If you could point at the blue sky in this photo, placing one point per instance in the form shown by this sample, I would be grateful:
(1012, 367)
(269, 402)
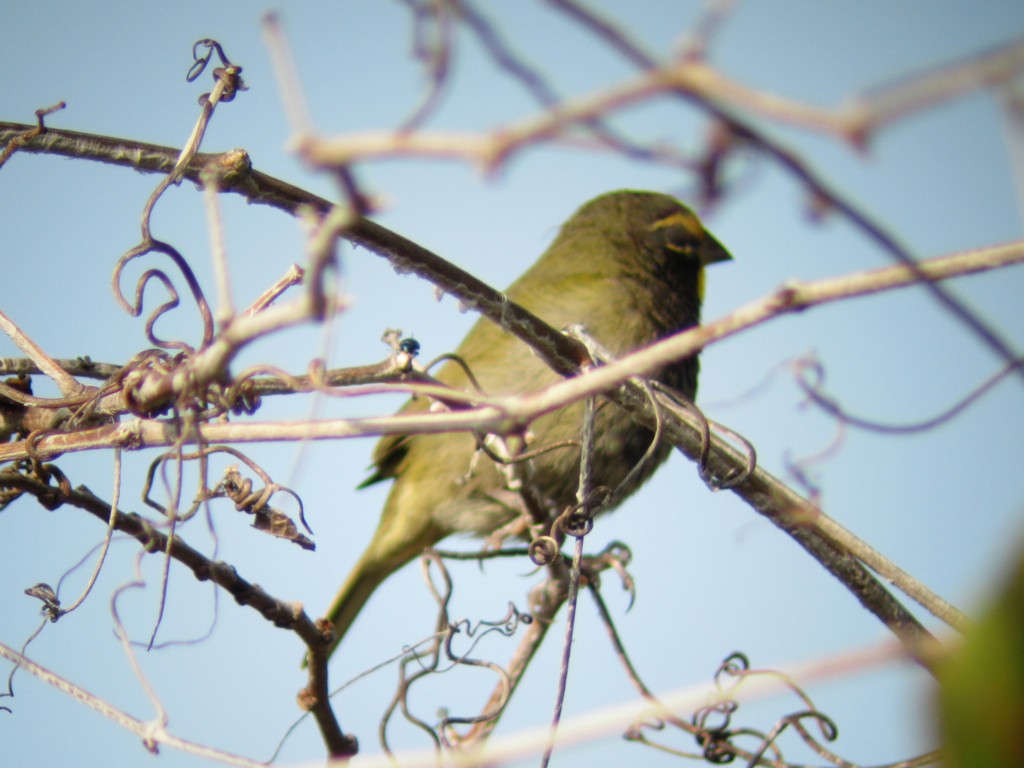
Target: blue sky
(712, 576)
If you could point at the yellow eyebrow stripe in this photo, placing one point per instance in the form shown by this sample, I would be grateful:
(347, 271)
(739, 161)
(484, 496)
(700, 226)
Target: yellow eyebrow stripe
(683, 219)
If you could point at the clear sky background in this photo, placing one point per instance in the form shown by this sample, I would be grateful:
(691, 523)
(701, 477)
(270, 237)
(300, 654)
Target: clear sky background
(712, 576)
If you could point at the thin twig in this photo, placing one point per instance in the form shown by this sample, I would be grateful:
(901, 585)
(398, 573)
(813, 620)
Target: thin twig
(152, 733)
(67, 384)
(107, 538)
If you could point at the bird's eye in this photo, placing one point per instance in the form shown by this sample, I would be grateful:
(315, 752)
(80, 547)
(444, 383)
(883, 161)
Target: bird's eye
(679, 231)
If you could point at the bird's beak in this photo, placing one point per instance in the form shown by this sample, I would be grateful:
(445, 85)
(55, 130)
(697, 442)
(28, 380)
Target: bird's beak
(712, 251)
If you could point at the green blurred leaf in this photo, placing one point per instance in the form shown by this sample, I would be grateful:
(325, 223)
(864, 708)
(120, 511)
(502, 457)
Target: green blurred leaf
(981, 700)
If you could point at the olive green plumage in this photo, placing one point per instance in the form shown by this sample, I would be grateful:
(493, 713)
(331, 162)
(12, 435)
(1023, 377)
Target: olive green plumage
(628, 266)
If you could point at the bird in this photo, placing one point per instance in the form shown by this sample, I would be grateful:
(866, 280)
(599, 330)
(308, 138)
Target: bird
(628, 267)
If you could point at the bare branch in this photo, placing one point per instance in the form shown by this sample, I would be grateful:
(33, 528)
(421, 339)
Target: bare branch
(153, 734)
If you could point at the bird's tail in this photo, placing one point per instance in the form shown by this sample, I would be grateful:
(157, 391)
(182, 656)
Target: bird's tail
(361, 583)
(395, 543)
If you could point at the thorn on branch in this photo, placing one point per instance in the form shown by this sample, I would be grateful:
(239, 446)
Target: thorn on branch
(24, 138)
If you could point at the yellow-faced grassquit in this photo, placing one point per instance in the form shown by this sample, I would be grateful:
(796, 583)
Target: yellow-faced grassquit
(627, 266)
